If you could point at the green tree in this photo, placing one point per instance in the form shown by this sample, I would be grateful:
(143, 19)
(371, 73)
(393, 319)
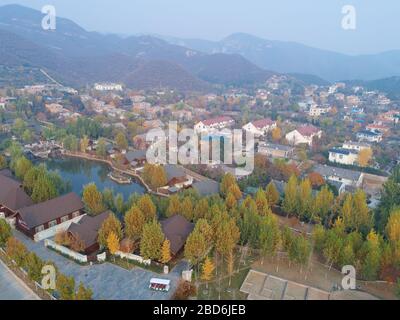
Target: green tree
(152, 239)
(305, 199)
(121, 141)
(3, 162)
(44, 189)
(322, 205)
(372, 251)
(174, 206)
(101, 148)
(290, 200)
(22, 166)
(187, 208)
(269, 236)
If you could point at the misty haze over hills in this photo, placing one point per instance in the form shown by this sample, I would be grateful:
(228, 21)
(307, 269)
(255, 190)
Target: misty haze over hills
(76, 56)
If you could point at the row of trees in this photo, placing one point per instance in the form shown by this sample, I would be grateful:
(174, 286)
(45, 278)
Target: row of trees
(33, 265)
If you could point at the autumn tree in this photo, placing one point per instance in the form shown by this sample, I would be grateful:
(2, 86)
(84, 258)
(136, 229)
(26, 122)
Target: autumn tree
(93, 199)
(152, 239)
(166, 252)
(228, 180)
(65, 287)
(174, 206)
(392, 227)
(5, 232)
(154, 175)
(34, 265)
(235, 191)
(262, 204)
(195, 247)
(272, 194)
(16, 250)
(3, 162)
(300, 251)
(290, 199)
(101, 148)
(201, 209)
(207, 270)
(203, 227)
(83, 293)
(187, 208)
(364, 157)
(230, 201)
(332, 247)
(112, 243)
(110, 225)
(134, 222)
(146, 205)
(316, 179)
(276, 134)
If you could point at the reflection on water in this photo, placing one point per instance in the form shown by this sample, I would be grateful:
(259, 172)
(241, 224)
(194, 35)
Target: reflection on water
(80, 172)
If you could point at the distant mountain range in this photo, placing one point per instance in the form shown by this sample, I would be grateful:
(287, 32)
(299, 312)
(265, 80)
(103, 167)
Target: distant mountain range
(76, 57)
(295, 58)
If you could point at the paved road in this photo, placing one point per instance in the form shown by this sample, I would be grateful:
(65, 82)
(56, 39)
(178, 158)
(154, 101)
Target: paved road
(11, 288)
(108, 281)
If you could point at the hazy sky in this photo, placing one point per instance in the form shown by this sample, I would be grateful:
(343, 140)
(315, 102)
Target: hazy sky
(312, 22)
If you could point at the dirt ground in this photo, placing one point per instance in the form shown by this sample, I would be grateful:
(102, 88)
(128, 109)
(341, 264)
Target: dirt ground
(317, 275)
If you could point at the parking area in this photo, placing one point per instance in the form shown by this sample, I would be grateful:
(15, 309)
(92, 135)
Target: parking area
(11, 288)
(108, 281)
(262, 286)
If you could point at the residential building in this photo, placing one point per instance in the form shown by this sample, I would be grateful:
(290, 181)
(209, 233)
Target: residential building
(304, 135)
(136, 158)
(369, 136)
(87, 230)
(317, 111)
(214, 124)
(44, 220)
(343, 156)
(12, 195)
(108, 87)
(177, 178)
(176, 229)
(343, 176)
(206, 188)
(357, 146)
(275, 150)
(260, 127)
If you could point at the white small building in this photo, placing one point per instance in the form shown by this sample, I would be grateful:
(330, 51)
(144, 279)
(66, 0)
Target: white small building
(369, 136)
(108, 87)
(343, 156)
(260, 127)
(213, 124)
(304, 135)
(160, 284)
(357, 146)
(317, 111)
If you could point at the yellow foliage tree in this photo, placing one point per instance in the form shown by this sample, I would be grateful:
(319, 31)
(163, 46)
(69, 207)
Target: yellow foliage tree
(364, 157)
(112, 243)
(276, 134)
(207, 270)
(166, 252)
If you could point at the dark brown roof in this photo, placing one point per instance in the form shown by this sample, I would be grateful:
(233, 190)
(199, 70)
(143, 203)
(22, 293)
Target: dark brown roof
(177, 229)
(88, 227)
(47, 211)
(12, 195)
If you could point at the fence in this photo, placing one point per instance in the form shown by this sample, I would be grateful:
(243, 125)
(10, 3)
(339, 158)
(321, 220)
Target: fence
(72, 254)
(133, 257)
(101, 257)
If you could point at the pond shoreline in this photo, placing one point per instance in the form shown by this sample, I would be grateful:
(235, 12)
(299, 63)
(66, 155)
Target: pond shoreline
(131, 173)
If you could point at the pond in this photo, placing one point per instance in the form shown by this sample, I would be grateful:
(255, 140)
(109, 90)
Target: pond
(80, 172)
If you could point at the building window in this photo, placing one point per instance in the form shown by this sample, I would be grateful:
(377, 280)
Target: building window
(76, 214)
(64, 219)
(52, 223)
(39, 228)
